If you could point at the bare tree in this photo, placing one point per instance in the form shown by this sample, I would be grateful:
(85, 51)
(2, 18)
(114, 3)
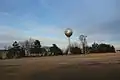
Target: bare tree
(5, 47)
(27, 45)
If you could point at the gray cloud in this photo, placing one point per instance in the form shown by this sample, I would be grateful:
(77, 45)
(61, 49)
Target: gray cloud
(110, 30)
(104, 32)
(8, 35)
(7, 38)
(112, 27)
(2, 45)
(107, 32)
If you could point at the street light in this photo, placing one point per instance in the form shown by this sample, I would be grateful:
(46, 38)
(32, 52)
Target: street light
(68, 32)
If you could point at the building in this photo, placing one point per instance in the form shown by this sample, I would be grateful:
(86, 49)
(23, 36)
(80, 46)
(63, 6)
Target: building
(3, 54)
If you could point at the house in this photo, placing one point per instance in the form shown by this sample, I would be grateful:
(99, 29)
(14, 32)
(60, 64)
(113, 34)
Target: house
(118, 51)
(46, 50)
(3, 54)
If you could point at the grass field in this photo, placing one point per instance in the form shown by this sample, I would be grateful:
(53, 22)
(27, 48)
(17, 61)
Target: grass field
(70, 67)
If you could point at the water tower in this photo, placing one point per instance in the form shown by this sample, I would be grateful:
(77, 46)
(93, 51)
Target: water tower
(68, 33)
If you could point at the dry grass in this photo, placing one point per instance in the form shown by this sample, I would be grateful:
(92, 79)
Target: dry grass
(72, 67)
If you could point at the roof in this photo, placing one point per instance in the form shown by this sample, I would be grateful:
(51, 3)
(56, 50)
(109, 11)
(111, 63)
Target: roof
(46, 46)
(3, 50)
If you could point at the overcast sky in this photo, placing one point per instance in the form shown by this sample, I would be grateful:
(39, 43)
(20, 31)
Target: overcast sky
(46, 20)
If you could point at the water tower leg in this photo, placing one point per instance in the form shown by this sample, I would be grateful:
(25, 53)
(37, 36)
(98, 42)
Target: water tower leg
(69, 52)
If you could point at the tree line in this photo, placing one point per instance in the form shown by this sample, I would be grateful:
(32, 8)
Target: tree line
(34, 48)
(95, 48)
(31, 48)
(101, 48)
